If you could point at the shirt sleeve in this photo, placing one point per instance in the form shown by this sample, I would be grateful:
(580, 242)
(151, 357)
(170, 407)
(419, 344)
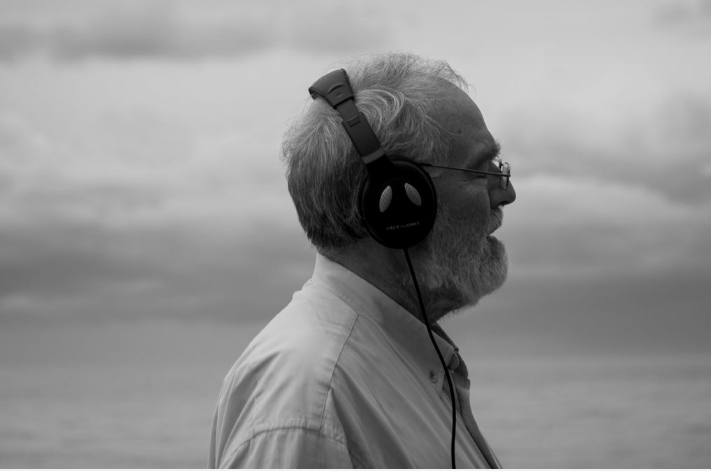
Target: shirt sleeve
(289, 448)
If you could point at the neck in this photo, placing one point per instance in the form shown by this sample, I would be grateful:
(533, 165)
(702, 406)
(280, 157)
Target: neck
(387, 270)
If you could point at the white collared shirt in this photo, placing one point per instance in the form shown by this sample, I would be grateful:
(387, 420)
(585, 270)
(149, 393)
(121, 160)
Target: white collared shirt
(344, 377)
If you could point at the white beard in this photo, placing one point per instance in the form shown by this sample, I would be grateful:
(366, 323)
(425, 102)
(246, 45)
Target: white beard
(458, 264)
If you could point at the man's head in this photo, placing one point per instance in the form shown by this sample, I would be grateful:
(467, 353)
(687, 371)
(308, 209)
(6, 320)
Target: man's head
(417, 110)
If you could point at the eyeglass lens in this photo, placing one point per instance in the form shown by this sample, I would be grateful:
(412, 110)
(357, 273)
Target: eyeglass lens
(505, 168)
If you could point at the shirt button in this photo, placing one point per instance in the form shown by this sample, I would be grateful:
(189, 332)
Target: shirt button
(434, 377)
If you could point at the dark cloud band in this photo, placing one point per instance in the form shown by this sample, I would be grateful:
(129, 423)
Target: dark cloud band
(184, 31)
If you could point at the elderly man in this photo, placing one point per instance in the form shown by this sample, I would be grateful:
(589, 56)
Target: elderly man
(350, 373)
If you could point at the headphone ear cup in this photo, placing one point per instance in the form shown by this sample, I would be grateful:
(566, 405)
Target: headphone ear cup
(400, 207)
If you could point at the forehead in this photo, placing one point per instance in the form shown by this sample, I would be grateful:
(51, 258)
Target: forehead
(457, 113)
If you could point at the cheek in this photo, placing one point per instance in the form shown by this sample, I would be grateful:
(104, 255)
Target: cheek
(471, 209)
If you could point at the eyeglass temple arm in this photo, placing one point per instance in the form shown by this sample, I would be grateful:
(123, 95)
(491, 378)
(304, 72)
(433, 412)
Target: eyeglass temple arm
(468, 170)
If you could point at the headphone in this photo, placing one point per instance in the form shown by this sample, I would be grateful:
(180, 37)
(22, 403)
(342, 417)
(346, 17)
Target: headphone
(398, 200)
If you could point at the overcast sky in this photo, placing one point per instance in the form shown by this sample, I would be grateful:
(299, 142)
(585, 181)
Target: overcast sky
(140, 173)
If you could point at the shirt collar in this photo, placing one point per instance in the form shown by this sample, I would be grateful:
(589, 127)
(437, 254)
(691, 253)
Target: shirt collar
(367, 300)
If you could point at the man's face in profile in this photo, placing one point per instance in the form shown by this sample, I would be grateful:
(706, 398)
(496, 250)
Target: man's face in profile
(460, 258)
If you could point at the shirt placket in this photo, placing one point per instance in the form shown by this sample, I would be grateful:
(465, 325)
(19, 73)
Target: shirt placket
(460, 378)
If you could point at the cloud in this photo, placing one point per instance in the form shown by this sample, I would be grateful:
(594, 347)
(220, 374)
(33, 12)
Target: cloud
(658, 141)
(589, 229)
(611, 187)
(612, 180)
(652, 312)
(62, 272)
(607, 237)
(54, 259)
(691, 18)
(153, 189)
(136, 169)
(190, 30)
(108, 230)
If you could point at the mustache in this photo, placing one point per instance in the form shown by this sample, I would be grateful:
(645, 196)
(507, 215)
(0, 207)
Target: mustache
(496, 220)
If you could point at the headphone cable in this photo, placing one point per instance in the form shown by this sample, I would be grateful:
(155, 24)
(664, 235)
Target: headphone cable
(439, 354)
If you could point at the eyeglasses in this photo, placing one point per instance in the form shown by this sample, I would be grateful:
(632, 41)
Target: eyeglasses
(504, 171)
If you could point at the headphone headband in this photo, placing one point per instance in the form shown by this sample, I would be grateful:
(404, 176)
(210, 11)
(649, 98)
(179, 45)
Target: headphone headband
(336, 89)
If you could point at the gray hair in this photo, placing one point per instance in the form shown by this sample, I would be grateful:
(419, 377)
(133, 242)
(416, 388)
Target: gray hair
(324, 171)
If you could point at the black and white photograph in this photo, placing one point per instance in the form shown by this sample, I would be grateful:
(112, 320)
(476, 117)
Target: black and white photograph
(355, 234)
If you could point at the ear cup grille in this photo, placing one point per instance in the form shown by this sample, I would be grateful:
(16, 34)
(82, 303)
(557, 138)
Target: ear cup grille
(413, 195)
(385, 199)
(398, 203)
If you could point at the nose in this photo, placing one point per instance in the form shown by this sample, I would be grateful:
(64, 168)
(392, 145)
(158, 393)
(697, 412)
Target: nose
(500, 197)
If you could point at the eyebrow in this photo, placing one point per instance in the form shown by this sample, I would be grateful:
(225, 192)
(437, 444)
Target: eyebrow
(489, 154)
